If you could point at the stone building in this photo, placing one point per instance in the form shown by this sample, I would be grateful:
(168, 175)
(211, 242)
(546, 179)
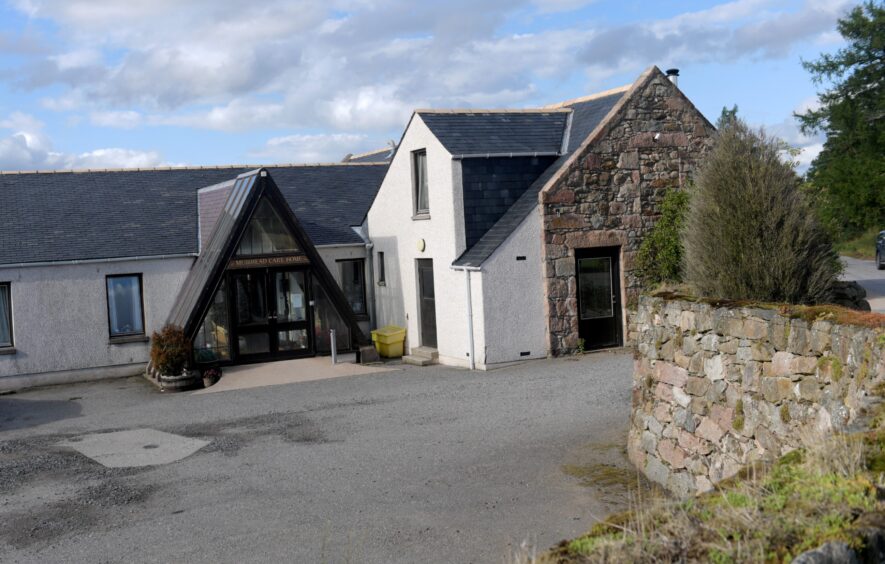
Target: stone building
(524, 224)
(493, 236)
(608, 195)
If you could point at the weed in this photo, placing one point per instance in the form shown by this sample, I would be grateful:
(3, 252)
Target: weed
(810, 496)
(785, 414)
(833, 364)
(738, 423)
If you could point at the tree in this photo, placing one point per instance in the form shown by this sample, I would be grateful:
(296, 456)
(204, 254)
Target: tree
(750, 233)
(847, 179)
(727, 117)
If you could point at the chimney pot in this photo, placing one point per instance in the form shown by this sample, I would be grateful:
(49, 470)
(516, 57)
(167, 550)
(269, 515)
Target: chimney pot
(673, 75)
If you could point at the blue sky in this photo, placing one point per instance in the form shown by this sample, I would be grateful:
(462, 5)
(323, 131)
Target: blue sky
(103, 83)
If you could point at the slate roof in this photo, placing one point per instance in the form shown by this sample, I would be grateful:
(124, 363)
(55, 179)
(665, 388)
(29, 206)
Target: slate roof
(586, 115)
(65, 216)
(496, 133)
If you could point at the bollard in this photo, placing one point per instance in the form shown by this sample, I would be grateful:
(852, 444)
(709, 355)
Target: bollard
(334, 347)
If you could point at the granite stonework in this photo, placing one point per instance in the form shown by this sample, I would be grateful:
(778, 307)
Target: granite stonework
(715, 388)
(611, 193)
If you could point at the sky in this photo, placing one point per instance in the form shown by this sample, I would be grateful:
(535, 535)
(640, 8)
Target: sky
(108, 84)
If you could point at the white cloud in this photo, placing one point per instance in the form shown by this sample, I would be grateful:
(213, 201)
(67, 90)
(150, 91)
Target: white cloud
(742, 28)
(554, 6)
(809, 146)
(109, 158)
(369, 108)
(345, 66)
(123, 119)
(27, 147)
(314, 148)
(176, 60)
(808, 154)
(810, 103)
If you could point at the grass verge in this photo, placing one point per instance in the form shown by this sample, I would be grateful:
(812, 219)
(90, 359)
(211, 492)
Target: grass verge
(830, 490)
(862, 247)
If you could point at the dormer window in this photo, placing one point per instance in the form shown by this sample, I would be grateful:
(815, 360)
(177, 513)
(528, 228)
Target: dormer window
(419, 182)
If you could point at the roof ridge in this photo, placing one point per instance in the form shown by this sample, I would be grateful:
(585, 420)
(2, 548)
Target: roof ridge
(491, 111)
(186, 167)
(367, 153)
(589, 97)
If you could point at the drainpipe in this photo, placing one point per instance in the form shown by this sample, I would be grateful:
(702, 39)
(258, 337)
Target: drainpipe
(467, 270)
(370, 285)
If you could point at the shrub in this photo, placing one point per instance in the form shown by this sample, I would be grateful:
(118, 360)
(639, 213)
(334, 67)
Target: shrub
(750, 234)
(660, 256)
(170, 350)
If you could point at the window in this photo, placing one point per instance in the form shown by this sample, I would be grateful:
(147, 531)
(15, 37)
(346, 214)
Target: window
(419, 180)
(212, 342)
(353, 284)
(5, 315)
(381, 278)
(266, 233)
(125, 311)
(326, 318)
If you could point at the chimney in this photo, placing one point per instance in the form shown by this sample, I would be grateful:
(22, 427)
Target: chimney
(673, 75)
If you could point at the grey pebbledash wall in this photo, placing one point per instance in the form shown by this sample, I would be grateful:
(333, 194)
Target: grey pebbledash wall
(715, 388)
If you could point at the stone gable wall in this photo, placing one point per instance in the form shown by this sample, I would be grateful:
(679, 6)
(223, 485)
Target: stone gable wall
(611, 194)
(715, 388)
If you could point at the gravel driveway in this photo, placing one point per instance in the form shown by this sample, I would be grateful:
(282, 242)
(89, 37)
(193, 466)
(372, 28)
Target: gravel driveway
(420, 465)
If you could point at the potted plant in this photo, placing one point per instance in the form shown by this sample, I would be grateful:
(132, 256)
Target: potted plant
(211, 376)
(170, 355)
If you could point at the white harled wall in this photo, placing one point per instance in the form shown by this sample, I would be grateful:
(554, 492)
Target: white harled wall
(331, 254)
(60, 319)
(60, 316)
(393, 232)
(514, 319)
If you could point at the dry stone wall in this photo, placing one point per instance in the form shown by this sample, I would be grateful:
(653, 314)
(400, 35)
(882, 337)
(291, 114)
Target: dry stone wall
(715, 388)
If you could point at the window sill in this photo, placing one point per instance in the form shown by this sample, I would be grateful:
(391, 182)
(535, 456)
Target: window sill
(421, 216)
(7, 350)
(128, 339)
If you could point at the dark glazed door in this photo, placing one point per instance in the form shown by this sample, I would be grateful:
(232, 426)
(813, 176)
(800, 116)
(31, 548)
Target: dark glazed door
(427, 302)
(251, 315)
(599, 297)
(271, 314)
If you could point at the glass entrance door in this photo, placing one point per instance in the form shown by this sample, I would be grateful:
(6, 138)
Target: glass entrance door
(271, 317)
(599, 297)
(290, 311)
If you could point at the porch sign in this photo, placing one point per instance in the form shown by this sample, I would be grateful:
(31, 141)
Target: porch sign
(258, 262)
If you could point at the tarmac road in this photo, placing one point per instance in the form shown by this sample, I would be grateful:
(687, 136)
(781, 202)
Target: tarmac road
(872, 280)
(419, 465)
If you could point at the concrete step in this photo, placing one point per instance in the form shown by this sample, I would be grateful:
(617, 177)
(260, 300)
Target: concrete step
(417, 360)
(426, 352)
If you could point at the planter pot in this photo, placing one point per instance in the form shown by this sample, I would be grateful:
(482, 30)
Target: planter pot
(176, 383)
(184, 381)
(211, 376)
